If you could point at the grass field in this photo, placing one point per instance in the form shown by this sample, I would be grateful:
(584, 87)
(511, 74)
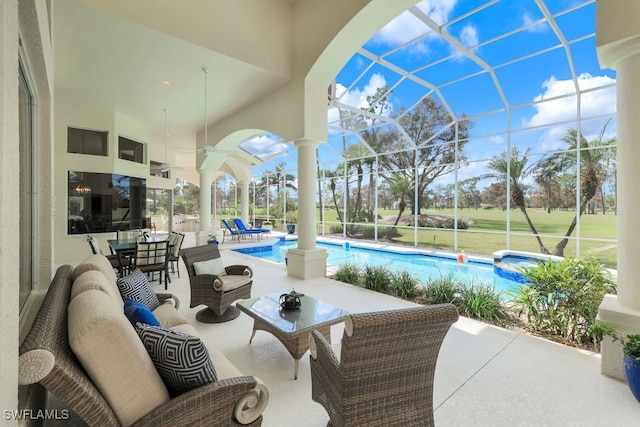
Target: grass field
(487, 232)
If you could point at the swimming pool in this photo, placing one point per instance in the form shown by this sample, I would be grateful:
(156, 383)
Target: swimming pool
(424, 267)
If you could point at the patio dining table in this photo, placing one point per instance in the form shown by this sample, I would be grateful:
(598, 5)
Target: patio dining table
(127, 247)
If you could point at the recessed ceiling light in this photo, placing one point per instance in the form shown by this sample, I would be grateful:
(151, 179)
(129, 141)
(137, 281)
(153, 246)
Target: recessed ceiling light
(166, 82)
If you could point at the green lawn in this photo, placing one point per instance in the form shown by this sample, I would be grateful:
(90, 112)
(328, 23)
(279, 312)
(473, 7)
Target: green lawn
(487, 232)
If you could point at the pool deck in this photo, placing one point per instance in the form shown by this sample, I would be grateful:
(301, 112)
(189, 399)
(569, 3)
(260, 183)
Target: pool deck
(485, 376)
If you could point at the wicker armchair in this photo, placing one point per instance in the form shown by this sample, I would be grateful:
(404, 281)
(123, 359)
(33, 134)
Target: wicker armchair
(217, 292)
(385, 371)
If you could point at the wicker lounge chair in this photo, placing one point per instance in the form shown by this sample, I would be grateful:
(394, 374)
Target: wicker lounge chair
(385, 371)
(216, 291)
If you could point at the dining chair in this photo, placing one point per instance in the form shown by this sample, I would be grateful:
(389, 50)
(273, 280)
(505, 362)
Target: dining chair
(120, 264)
(151, 257)
(175, 242)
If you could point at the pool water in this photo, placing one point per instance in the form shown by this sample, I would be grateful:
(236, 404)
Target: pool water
(424, 267)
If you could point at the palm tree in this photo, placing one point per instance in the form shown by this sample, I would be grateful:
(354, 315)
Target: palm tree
(513, 166)
(593, 155)
(399, 186)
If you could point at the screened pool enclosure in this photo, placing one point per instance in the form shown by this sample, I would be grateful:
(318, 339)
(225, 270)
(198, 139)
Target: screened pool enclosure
(475, 125)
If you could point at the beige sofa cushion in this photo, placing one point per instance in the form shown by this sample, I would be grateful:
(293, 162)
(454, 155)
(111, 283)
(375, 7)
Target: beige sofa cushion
(169, 316)
(233, 281)
(94, 279)
(96, 262)
(186, 328)
(109, 349)
(224, 368)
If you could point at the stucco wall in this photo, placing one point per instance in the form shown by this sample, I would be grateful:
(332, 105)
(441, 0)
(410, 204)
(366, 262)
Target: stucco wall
(8, 202)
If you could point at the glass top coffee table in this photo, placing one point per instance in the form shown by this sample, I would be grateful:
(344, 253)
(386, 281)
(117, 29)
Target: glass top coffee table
(292, 327)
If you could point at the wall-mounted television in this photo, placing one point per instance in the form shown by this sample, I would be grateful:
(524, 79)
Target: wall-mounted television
(103, 202)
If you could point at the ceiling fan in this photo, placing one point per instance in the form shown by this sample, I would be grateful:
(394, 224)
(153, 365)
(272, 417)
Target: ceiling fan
(166, 167)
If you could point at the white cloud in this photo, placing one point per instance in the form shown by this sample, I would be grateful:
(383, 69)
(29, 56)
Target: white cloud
(357, 97)
(468, 36)
(407, 27)
(264, 145)
(497, 139)
(594, 103)
(438, 10)
(401, 29)
(528, 19)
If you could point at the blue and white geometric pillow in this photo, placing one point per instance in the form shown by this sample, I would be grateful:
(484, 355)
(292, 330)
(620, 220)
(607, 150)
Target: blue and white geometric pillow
(136, 287)
(182, 360)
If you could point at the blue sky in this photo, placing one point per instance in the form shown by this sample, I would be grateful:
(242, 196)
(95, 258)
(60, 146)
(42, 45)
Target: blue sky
(499, 57)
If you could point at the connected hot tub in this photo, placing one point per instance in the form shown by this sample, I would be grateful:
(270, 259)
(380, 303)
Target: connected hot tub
(508, 264)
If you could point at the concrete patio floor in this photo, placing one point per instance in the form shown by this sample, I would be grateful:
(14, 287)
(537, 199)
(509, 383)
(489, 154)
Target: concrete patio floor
(485, 376)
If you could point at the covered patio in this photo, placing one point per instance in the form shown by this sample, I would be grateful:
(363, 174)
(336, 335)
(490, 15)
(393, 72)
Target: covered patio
(485, 375)
(237, 86)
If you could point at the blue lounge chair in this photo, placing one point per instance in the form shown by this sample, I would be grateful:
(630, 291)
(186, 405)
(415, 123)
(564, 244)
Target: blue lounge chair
(235, 234)
(240, 225)
(253, 231)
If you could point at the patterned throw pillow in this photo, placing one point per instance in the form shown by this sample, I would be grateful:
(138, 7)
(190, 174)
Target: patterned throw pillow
(182, 360)
(137, 312)
(135, 286)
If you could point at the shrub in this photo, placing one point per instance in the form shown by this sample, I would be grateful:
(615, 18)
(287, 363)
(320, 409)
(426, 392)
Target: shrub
(292, 217)
(368, 232)
(348, 273)
(563, 298)
(481, 301)
(335, 229)
(404, 285)
(377, 278)
(388, 232)
(442, 290)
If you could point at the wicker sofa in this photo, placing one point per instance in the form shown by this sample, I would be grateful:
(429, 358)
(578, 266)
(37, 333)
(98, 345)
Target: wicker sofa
(113, 381)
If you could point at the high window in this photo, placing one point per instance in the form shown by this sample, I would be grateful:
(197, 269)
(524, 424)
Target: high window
(84, 141)
(130, 150)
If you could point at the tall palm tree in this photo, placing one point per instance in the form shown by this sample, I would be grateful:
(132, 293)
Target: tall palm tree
(512, 166)
(399, 187)
(593, 155)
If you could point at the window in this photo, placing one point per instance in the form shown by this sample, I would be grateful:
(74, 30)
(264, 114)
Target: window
(158, 169)
(102, 202)
(27, 187)
(130, 150)
(85, 141)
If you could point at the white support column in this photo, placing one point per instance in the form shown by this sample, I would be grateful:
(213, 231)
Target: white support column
(618, 39)
(244, 201)
(205, 206)
(306, 261)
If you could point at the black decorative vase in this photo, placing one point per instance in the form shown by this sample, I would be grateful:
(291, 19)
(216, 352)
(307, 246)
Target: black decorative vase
(290, 301)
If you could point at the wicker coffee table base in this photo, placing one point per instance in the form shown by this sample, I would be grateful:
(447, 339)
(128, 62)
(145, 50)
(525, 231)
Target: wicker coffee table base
(296, 343)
